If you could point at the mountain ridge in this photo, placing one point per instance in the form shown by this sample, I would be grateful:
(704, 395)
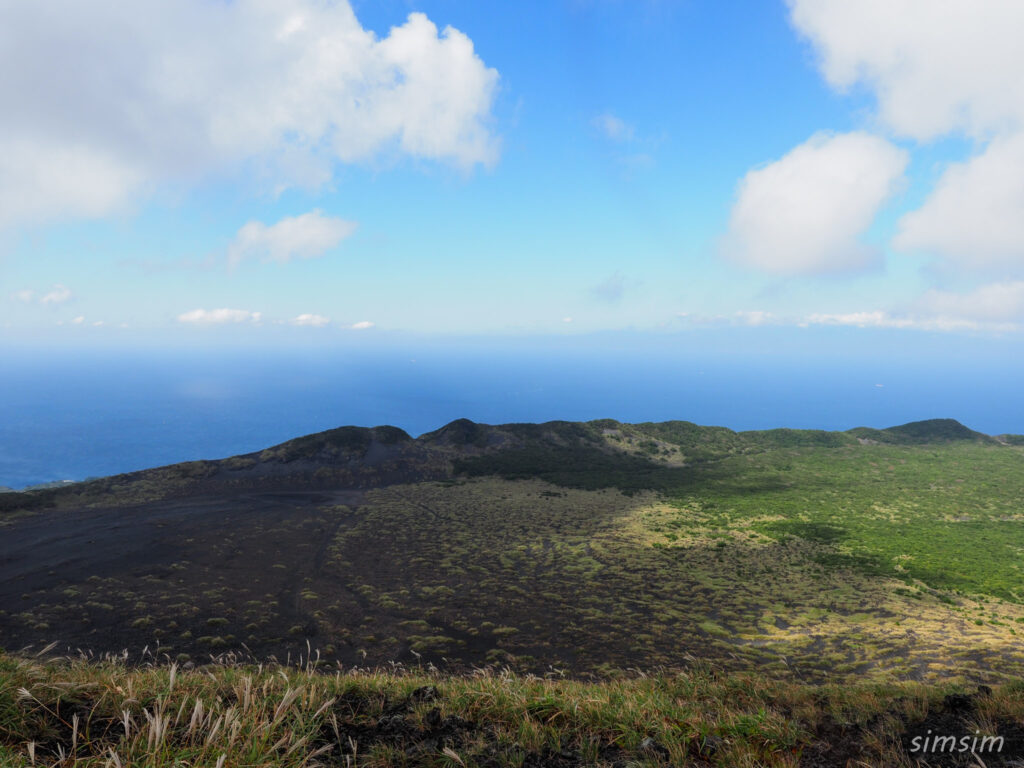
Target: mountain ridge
(362, 457)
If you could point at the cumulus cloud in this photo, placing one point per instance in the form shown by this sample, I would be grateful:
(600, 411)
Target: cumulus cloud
(938, 69)
(105, 101)
(218, 316)
(26, 295)
(362, 325)
(614, 128)
(935, 67)
(316, 321)
(295, 237)
(804, 213)
(40, 180)
(974, 217)
(57, 295)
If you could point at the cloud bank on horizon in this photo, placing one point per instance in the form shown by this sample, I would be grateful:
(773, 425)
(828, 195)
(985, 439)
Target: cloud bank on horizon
(311, 129)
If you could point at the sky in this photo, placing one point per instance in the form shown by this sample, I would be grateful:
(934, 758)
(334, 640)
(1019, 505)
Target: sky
(316, 172)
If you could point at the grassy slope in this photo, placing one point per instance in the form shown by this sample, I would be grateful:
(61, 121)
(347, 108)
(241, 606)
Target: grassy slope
(107, 715)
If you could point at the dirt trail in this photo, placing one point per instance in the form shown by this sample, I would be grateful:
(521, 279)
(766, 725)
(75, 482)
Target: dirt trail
(290, 598)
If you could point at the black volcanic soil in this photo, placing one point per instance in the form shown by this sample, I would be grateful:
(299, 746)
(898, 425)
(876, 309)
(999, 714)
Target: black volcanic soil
(107, 578)
(191, 577)
(199, 558)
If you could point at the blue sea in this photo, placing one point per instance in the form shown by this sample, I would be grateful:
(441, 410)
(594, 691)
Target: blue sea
(72, 415)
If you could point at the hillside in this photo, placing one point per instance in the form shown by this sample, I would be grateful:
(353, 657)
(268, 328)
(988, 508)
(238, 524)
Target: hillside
(584, 547)
(922, 432)
(64, 712)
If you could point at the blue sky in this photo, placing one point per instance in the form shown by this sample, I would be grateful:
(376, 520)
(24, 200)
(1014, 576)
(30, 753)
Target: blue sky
(311, 172)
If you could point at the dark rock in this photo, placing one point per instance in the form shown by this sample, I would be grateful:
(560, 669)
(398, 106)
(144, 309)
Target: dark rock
(653, 747)
(392, 724)
(958, 702)
(711, 745)
(456, 723)
(423, 693)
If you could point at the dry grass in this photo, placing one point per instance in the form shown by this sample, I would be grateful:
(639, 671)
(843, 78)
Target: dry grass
(91, 715)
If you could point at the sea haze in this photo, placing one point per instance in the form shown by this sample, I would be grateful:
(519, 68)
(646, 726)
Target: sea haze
(69, 416)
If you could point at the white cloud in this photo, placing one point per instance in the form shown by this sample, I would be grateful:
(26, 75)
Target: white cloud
(57, 295)
(26, 295)
(755, 317)
(613, 127)
(41, 180)
(919, 321)
(103, 101)
(316, 321)
(79, 320)
(804, 213)
(940, 68)
(870, 319)
(993, 308)
(994, 302)
(974, 217)
(935, 67)
(362, 325)
(296, 237)
(217, 316)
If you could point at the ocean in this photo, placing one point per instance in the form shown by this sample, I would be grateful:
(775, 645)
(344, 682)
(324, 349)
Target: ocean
(74, 415)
